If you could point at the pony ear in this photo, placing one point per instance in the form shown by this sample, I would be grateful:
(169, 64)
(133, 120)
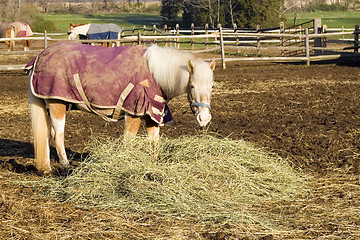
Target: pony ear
(191, 66)
(212, 65)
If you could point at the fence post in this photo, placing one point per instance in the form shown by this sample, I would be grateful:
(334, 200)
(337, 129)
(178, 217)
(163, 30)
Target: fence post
(118, 39)
(307, 46)
(45, 39)
(177, 34)
(155, 33)
(356, 39)
(258, 41)
(139, 38)
(133, 33)
(192, 34)
(122, 34)
(222, 47)
(154, 29)
(206, 39)
(144, 30)
(301, 34)
(317, 30)
(236, 34)
(12, 42)
(166, 32)
(282, 39)
(237, 42)
(323, 39)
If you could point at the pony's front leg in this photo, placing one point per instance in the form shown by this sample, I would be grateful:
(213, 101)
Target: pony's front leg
(132, 125)
(26, 44)
(152, 128)
(57, 112)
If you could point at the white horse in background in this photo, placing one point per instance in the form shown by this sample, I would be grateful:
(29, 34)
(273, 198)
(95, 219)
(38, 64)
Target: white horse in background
(77, 29)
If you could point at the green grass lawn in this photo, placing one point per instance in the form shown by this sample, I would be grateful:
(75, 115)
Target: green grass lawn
(125, 20)
(347, 19)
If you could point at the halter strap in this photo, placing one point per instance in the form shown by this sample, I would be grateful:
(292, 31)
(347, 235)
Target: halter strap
(198, 104)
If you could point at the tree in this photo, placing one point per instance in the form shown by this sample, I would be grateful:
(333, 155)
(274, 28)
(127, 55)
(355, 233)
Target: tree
(8, 10)
(250, 13)
(201, 12)
(170, 9)
(244, 13)
(26, 12)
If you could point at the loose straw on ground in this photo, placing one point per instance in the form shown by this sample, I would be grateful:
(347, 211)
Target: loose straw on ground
(195, 178)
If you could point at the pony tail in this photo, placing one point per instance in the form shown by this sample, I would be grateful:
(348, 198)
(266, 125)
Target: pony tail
(40, 123)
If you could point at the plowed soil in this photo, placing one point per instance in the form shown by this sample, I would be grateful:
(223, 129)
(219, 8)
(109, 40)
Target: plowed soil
(308, 114)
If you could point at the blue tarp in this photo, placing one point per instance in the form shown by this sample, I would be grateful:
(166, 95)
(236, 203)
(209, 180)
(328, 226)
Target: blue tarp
(103, 31)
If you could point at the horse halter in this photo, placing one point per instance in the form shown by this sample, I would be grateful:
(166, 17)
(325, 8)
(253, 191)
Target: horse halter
(194, 103)
(197, 104)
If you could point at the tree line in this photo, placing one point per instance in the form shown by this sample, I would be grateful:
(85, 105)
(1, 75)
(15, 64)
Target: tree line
(243, 13)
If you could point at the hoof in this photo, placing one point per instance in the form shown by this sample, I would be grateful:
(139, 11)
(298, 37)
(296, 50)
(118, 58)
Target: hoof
(64, 164)
(64, 170)
(45, 171)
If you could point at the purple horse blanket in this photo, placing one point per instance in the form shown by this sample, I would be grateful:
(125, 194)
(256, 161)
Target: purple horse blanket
(105, 78)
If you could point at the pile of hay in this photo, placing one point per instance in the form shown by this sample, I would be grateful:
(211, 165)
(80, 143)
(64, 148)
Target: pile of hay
(198, 178)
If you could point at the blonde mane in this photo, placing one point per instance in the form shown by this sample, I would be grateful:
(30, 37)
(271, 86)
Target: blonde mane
(169, 68)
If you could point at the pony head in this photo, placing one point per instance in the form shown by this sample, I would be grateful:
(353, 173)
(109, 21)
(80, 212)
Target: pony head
(76, 29)
(71, 27)
(70, 31)
(199, 89)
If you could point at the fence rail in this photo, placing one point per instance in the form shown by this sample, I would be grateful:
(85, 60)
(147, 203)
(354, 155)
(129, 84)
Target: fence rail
(307, 42)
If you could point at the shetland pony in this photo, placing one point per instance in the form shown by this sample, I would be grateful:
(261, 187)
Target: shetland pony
(20, 30)
(174, 71)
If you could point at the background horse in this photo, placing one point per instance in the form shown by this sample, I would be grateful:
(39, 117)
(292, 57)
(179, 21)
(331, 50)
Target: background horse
(80, 30)
(21, 29)
(93, 31)
(141, 80)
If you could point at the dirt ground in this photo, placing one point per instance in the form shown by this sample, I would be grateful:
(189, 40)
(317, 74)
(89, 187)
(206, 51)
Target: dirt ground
(308, 114)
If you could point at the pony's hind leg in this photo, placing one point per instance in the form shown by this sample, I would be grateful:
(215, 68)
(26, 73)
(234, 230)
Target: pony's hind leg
(57, 110)
(152, 129)
(41, 130)
(132, 125)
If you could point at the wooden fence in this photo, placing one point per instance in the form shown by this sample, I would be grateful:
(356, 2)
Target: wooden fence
(306, 42)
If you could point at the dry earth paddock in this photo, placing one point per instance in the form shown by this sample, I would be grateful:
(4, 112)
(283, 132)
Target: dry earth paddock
(310, 115)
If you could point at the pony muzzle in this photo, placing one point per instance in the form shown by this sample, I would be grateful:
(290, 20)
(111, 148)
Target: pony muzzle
(203, 118)
(202, 113)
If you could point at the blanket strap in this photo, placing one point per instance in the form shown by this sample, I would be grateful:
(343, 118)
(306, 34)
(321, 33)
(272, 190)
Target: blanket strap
(121, 100)
(86, 101)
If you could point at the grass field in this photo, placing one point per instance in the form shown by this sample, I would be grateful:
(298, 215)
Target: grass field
(332, 19)
(125, 20)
